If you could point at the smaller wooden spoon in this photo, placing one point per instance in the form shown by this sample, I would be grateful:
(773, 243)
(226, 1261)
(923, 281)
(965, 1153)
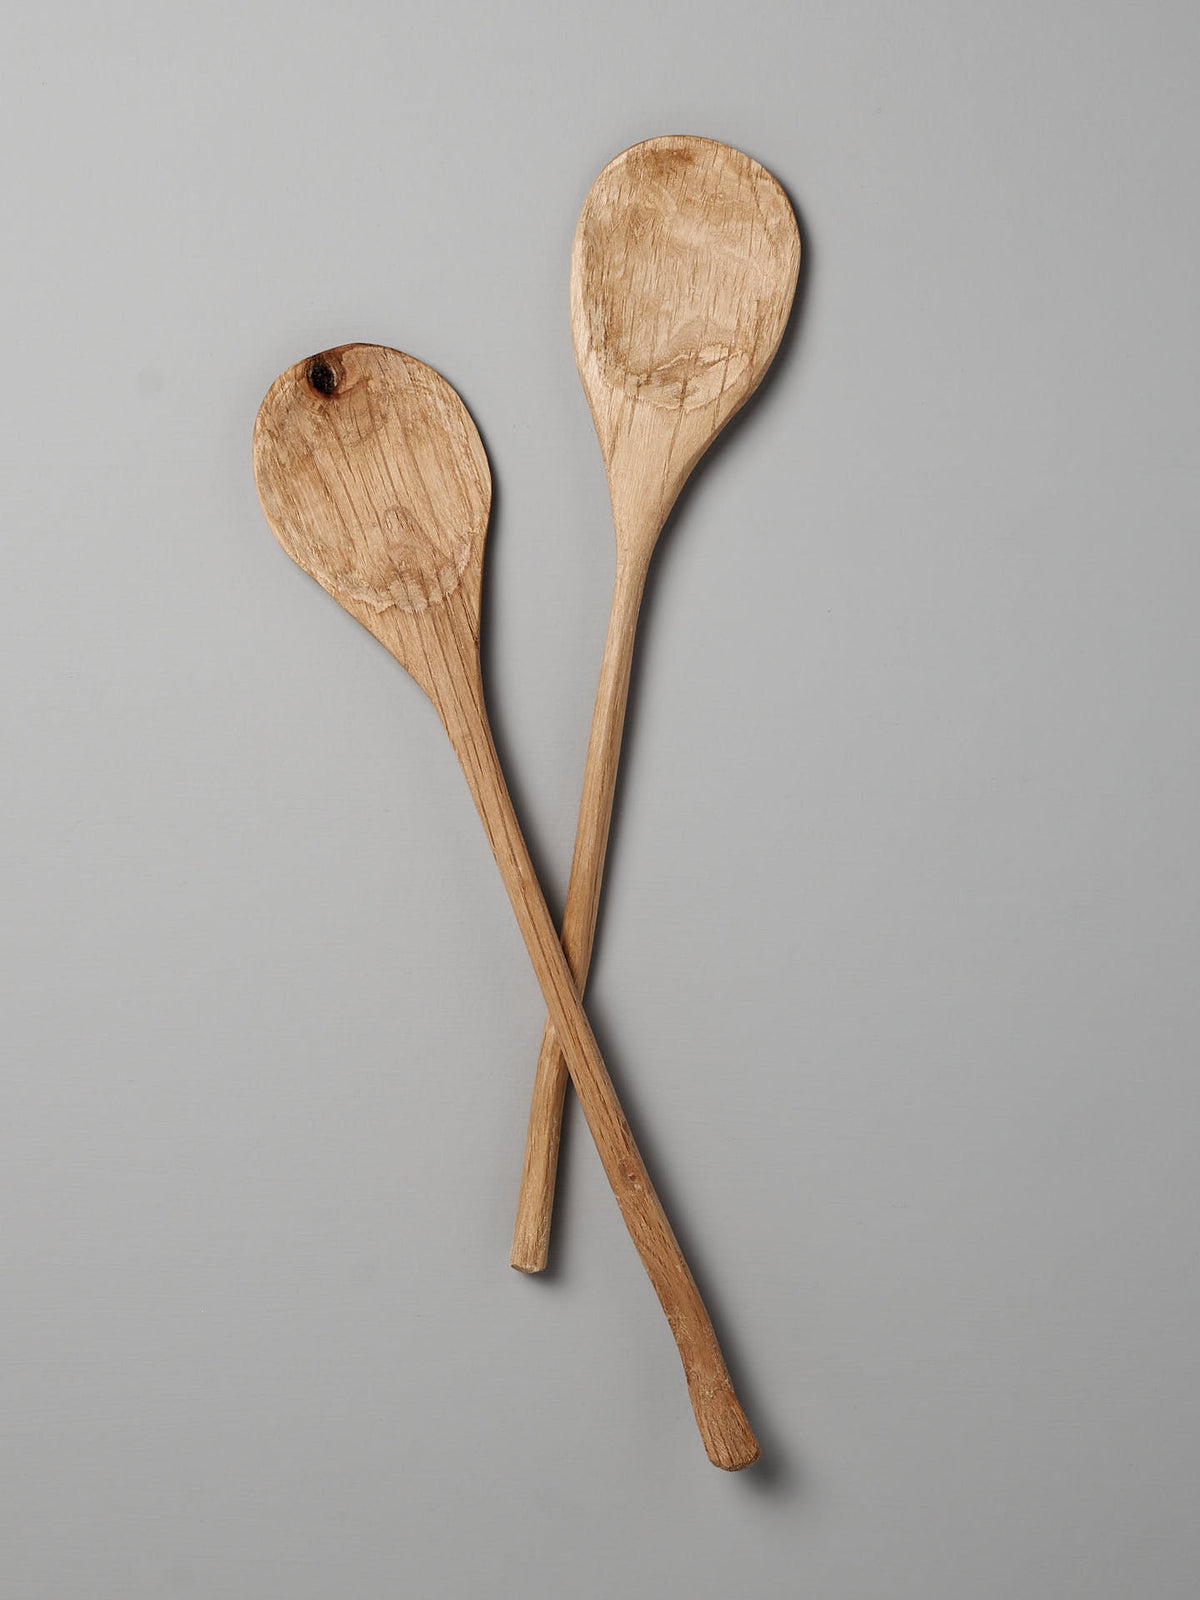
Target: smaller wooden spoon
(682, 278)
(374, 480)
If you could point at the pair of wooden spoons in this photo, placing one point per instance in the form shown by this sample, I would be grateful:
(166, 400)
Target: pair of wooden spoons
(374, 479)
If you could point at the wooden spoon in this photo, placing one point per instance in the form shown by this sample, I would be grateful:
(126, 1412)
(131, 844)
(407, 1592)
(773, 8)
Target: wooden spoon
(374, 479)
(682, 278)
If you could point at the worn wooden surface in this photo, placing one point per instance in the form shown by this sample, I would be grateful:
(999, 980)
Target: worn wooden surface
(682, 278)
(374, 479)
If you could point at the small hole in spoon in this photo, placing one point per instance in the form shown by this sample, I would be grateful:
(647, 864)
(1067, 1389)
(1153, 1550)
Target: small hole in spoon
(321, 375)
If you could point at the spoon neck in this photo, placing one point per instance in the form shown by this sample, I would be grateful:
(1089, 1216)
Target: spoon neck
(638, 521)
(441, 651)
(629, 580)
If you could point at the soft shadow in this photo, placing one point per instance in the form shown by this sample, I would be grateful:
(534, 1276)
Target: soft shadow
(488, 646)
(779, 1474)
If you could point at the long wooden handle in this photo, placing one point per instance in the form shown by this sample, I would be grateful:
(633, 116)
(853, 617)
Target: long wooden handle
(728, 1437)
(535, 1204)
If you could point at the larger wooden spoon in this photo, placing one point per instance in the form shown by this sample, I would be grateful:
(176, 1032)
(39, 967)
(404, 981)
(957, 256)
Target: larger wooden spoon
(374, 479)
(682, 278)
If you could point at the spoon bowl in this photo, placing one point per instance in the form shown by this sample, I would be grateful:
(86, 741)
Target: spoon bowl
(374, 479)
(682, 278)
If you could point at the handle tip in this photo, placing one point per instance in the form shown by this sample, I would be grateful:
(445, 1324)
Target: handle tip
(733, 1450)
(530, 1246)
(729, 1440)
(527, 1267)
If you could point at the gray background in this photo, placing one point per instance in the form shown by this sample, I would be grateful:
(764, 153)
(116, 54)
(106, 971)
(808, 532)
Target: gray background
(898, 961)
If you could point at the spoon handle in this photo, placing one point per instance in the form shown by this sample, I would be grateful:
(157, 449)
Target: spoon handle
(728, 1437)
(535, 1204)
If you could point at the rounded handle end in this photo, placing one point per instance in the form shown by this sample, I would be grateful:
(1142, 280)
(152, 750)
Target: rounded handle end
(728, 1437)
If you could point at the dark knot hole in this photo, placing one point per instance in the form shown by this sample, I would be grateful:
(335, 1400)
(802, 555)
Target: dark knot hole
(321, 375)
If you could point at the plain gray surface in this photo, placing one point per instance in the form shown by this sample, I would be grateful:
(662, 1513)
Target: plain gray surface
(898, 963)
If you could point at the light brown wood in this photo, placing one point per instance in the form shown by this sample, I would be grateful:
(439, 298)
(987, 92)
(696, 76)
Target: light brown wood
(682, 279)
(373, 478)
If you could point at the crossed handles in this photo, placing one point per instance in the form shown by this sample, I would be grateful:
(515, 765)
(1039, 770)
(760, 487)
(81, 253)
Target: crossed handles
(535, 1204)
(728, 1438)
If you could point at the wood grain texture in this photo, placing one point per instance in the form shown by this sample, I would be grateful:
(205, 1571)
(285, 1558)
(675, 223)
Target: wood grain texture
(374, 479)
(682, 279)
